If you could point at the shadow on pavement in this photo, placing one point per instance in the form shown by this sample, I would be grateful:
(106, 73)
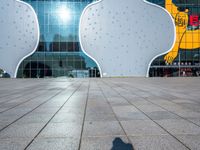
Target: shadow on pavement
(118, 144)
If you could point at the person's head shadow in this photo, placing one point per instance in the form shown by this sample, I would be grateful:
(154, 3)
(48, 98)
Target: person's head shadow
(118, 144)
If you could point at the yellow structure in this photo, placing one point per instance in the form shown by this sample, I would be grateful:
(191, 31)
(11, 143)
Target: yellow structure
(185, 39)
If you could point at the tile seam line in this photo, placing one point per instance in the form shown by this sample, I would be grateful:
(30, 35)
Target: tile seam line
(27, 100)
(33, 109)
(150, 118)
(83, 124)
(163, 89)
(52, 117)
(115, 114)
(28, 90)
(147, 99)
(100, 136)
(12, 79)
(12, 99)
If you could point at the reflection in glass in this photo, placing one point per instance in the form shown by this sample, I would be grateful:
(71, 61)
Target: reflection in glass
(58, 53)
(64, 14)
(187, 63)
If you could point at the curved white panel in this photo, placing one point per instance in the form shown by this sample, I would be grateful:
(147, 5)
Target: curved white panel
(124, 36)
(19, 34)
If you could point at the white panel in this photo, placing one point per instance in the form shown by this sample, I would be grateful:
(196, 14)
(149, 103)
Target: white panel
(123, 36)
(19, 34)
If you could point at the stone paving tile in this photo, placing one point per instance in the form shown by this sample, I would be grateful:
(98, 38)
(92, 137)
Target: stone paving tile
(161, 115)
(16, 112)
(35, 118)
(8, 118)
(183, 101)
(14, 143)
(72, 110)
(95, 96)
(129, 95)
(69, 143)
(125, 116)
(97, 103)
(111, 110)
(139, 102)
(195, 120)
(189, 114)
(19, 100)
(99, 109)
(150, 108)
(156, 142)
(21, 131)
(99, 128)
(191, 106)
(61, 130)
(117, 101)
(174, 107)
(46, 110)
(192, 141)
(3, 125)
(100, 117)
(161, 101)
(76, 102)
(142, 127)
(126, 108)
(100, 143)
(128, 112)
(179, 126)
(62, 117)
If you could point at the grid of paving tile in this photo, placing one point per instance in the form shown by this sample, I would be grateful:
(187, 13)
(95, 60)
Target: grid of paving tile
(88, 114)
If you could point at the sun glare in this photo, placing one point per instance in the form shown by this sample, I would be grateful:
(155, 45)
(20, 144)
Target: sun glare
(64, 14)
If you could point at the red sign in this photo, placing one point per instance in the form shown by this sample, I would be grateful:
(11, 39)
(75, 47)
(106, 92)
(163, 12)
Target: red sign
(194, 20)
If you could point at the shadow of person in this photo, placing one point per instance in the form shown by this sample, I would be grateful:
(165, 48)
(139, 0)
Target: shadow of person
(118, 144)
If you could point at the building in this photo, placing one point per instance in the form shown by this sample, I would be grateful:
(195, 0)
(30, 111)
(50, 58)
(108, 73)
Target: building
(59, 52)
(187, 61)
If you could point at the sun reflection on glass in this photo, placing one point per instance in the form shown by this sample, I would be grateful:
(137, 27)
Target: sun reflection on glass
(64, 14)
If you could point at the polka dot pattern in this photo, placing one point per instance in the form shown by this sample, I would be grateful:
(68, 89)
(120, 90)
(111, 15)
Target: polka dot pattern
(124, 37)
(19, 33)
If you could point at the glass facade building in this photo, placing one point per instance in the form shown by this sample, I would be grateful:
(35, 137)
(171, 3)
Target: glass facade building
(187, 62)
(59, 53)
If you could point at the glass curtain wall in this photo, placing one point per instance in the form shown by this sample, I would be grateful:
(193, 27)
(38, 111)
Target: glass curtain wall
(59, 53)
(185, 61)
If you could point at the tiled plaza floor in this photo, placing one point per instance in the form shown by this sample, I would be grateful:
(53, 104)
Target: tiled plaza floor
(100, 114)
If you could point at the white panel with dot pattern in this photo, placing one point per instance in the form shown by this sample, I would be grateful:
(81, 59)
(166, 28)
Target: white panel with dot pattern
(123, 36)
(19, 31)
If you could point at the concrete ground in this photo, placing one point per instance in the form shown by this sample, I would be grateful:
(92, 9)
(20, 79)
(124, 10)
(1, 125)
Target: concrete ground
(100, 114)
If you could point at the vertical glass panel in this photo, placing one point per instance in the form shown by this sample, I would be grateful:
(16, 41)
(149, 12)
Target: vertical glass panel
(58, 53)
(186, 61)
